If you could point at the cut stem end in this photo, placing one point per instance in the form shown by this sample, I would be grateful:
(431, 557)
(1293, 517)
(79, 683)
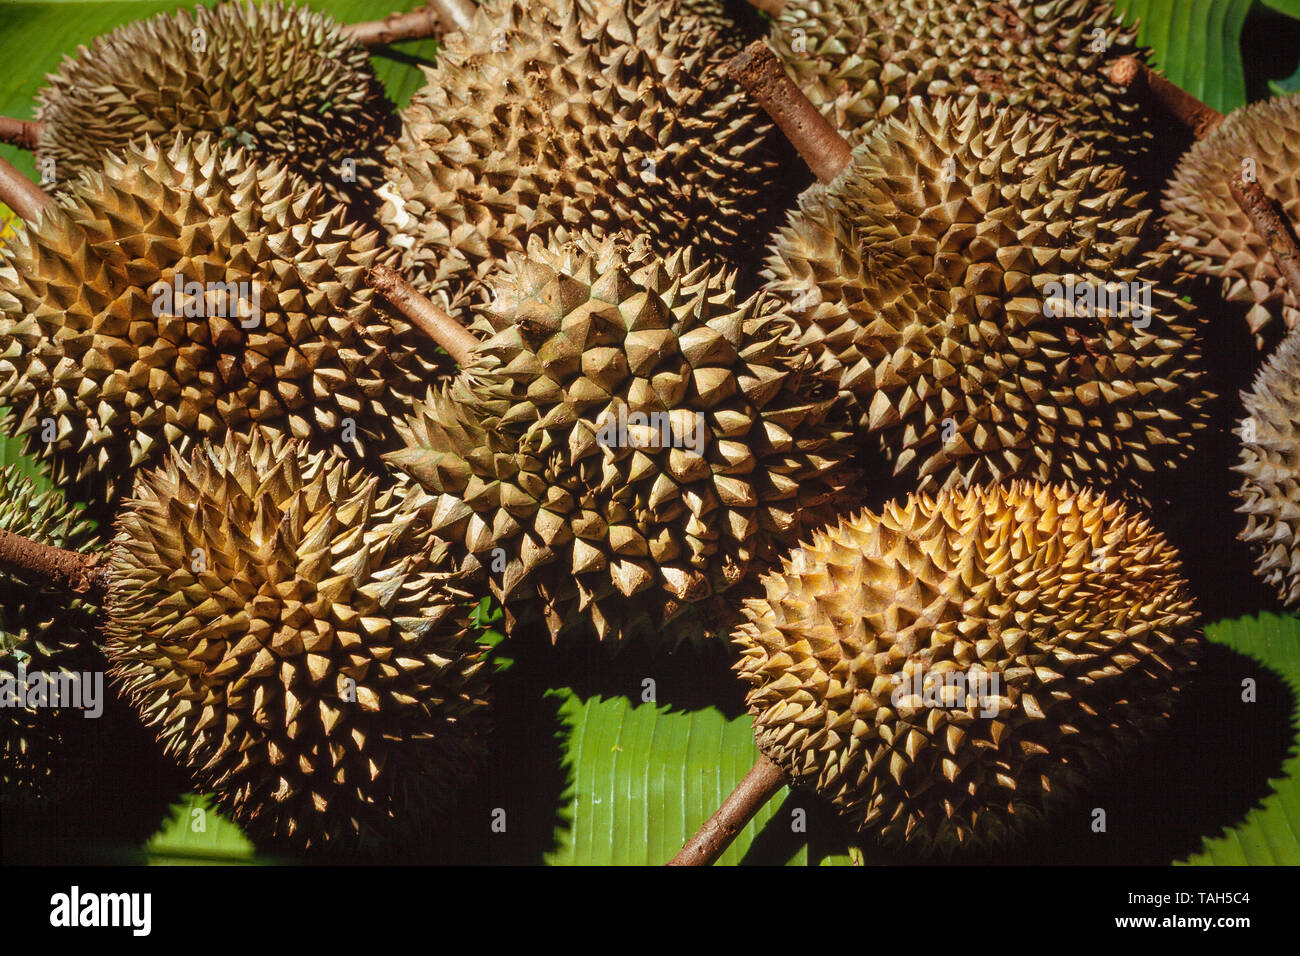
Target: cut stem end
(1135, 76)
(423, 314)
(760, 73)
(69, 570)
(434, 19)
(25, 134)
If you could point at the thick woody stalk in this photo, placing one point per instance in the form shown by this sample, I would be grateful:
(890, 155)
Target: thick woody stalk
(772, 8)
(23, 133)
(431, 320)
(1276, 232)
(1201, 119)
(712, 840)
(20, 194)
(760, 73)
(79, 573)
(434, 19)
(1138, 78)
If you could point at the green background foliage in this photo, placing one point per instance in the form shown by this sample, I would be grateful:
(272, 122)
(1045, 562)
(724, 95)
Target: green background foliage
(592, 765)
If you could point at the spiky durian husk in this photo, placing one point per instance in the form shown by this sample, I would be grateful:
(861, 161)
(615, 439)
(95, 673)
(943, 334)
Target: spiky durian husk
(1270, 464)
(296, 639)
(275, 78)
(592, 529)
(730, 23)
(81, 346)
(41, 631)
(1210, 234)
(926, 299)
(861, 61)
(543, 119)
(1077, 606)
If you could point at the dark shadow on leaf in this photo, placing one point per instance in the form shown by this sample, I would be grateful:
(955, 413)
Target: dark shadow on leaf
(692, 677)
(1209, 767)
(778, 842)
(1197, 507)
(523, 785)
(404, 55)
(1269, 44)
(126, 793)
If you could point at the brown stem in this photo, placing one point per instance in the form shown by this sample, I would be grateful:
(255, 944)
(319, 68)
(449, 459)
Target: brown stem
(80, 573)
(434, 19)
(23, 133)
(21, 194)
(772, 8)
(1135, 76)
(757, 69)
(712, 840)
(1276, 232)
(431, 320)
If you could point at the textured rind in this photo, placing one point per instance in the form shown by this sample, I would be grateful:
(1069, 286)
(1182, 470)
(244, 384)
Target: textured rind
(920, 279)
(41, 631)
(862, 61)
(1210, 234)
(544, 119)
(275, 78)
(730, 23)
(82, 347)
(591, 530)
(1076, 604)
(297, 640)
(1270, 466)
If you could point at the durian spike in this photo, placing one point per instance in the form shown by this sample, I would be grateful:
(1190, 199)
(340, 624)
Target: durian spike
(22, 133)
(1135, 76)
(70, 570)
(1200, 118)
(764, 779)
(762, 76)
(459, 342)
(20, 194)
(1276, 232)
(434, 19)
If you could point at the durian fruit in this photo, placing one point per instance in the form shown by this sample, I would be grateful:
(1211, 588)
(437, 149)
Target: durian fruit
(297, 640)
(630, 442)
(105, 365)
(275, 78)
(1270, 466)
(41, 632)
(1211, 235)
(730, 23)
(950, 671)
(922, 276)
(862, 61)
(551, 119)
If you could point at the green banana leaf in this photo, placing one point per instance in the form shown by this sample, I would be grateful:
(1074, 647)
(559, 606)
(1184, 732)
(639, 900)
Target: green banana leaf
(1196, 44)
(1270, 832)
